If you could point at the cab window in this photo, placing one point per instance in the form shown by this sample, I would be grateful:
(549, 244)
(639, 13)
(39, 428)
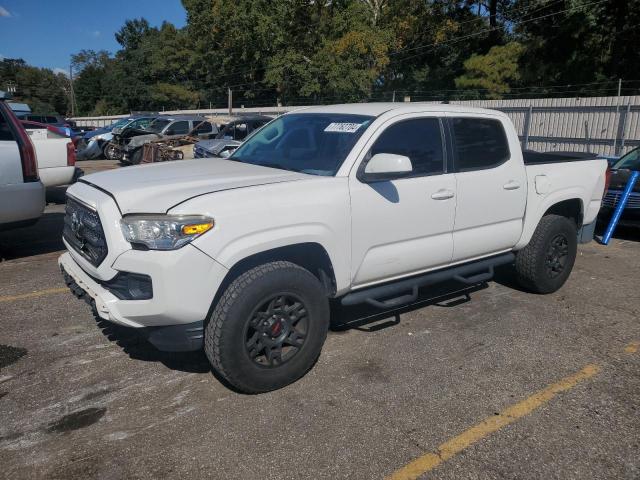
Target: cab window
(178, 128)
(480, 143)
(420, 139)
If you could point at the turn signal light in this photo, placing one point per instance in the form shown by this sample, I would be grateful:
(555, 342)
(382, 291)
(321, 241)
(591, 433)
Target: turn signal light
(197, 228)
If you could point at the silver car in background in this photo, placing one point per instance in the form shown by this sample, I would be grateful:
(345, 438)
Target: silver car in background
(230, 137)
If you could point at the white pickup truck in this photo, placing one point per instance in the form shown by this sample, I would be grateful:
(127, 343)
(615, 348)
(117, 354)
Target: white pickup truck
(365, 203)
(56, 155)
(22, 195)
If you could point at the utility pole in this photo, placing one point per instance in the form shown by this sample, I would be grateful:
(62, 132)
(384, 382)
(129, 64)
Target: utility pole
(71, 92)
(230, 101)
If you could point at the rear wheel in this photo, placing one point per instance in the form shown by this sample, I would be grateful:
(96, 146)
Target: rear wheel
(545, 264)
(268, 327)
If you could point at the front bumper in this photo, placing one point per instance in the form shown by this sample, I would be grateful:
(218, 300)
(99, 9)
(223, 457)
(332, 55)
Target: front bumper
(91, 151)
(185, 282)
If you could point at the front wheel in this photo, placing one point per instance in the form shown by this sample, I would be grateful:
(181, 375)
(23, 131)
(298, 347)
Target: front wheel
(268, 327)
(546, 262)
(111, 151)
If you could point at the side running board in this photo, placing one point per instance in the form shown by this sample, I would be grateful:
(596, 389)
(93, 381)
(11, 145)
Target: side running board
(405, 291)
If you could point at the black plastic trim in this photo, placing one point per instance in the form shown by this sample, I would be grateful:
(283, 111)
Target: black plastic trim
(186, 337)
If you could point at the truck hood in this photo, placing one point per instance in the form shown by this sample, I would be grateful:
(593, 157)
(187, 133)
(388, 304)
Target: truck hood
(156, 188)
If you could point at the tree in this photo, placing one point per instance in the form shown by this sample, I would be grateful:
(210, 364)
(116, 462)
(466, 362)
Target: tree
(43, 90)
(494, 73)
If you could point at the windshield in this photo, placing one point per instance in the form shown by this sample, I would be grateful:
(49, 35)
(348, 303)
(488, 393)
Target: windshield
(158, 125)
(315, 143)
(119, 123)
(631, 161)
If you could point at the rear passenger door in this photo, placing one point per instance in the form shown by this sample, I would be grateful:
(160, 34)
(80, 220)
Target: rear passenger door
(491, 187)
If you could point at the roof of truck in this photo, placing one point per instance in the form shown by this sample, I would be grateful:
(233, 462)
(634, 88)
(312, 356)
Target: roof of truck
(376, 109)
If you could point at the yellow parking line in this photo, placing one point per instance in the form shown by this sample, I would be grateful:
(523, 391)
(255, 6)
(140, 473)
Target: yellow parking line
(633, 347)
(39, 293)
(489, 425)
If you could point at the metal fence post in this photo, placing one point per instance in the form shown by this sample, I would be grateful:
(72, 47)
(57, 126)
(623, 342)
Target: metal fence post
(527, 128)
(622, 128)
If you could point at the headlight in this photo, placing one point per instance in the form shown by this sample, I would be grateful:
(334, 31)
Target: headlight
(164, 232)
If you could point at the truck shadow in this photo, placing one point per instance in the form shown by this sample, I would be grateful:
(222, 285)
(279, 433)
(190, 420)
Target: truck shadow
(43, 237)
(363, 318)
(138, 348)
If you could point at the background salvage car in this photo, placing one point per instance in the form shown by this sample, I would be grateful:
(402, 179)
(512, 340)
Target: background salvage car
(230, 137)
(165, 128)
(97, 143)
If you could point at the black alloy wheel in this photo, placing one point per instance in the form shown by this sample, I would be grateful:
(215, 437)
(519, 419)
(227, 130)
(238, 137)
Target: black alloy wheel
(277, 330)
(557, 254)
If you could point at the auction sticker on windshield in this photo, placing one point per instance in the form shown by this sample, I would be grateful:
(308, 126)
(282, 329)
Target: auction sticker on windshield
(343, 127)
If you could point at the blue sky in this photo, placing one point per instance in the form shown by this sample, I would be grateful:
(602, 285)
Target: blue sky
(46, 32)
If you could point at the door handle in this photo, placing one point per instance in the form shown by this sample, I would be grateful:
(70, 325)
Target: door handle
(442, 195)
(511, 185)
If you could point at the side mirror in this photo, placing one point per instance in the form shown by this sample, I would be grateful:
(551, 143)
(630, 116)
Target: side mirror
(386, 166)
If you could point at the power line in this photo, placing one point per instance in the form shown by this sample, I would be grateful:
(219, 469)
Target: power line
(540, 7)
(458, 39)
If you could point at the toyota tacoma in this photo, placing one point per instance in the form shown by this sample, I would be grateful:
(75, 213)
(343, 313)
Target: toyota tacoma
(362, 203)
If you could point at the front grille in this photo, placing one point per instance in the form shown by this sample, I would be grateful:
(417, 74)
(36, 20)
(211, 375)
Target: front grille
(612, 198)
(83, 232)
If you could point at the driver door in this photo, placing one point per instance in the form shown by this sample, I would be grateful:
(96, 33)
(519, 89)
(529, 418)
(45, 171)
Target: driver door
(404, 226)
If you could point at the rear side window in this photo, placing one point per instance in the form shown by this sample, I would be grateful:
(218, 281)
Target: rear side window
(480, 143)
(203, 127)
(179, 128)
(52, 120)
(419, 139)
(6, 134)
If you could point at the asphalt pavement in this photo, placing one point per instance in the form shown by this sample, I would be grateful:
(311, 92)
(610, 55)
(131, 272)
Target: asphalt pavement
(481, 383)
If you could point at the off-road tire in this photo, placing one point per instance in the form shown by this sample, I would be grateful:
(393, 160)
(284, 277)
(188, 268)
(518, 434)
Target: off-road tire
(533, 262)
(225, 331)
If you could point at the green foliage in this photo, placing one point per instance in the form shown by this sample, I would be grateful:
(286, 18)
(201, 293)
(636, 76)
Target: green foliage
(309, 51)
(41, 88)
(493, 73)
(171, 96)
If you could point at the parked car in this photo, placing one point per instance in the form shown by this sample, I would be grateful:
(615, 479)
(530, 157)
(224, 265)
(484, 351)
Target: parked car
(230, 137)
(97, 143)
(361, 203)
(165, 128)
(22, 195)
(620, 172)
